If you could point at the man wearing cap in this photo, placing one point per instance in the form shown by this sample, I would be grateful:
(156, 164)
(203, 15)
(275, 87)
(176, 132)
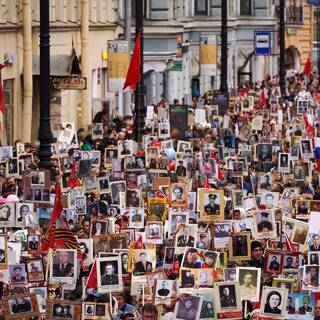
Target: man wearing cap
(186, 310)
(264, 225)
(212, 208)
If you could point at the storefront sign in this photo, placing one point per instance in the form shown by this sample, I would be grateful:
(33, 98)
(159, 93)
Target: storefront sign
(262, 43)
(177, 65)
(69, 83)
(118, 64)
(208, 55)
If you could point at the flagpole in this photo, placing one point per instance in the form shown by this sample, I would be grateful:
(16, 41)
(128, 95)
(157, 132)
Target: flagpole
(140, 109)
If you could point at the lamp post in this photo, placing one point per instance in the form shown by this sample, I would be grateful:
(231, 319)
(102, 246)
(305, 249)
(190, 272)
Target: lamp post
(44, 133)
(140, 109)
(224, 48)
(282, 72)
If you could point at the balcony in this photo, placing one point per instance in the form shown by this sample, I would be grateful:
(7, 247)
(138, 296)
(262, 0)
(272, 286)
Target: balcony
(294, 15)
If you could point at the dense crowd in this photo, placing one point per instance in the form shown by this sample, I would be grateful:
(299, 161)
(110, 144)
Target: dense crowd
(213, 215)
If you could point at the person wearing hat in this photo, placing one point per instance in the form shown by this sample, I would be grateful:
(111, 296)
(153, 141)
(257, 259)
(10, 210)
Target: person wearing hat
(265, 225)
(212, 208)
(186, 310)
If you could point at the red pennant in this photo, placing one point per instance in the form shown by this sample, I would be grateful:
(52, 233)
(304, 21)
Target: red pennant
(92, 279)
(263, 99)
(133, 75)
(307, 67)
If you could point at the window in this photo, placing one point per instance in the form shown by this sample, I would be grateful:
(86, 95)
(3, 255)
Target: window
(8, 111)
(245, 8)
(201, 7)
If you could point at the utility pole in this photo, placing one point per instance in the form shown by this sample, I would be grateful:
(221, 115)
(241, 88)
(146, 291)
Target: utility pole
(140, 109)
(127, 36)
(282, 72)
(224, 48)
(45, 136)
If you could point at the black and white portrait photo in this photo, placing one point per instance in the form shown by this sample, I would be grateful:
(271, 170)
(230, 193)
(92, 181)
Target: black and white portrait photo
(63, 311)
(136, 217)
(273, 301)
(117, 187)
(188, 308)
(125, 148)
(133, 198)
(239, 245)
(109, 274)
(306, 149)
(80, 206)
(249, 283)
(20, 305)
(17, 273)
(284, 163)
(264, 152)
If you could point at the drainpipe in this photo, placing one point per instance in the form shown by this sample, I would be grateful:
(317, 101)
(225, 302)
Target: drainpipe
(85, 103)
(27, 70)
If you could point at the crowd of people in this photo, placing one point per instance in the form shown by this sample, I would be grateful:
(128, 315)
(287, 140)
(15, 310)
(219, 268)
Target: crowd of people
(216, 218)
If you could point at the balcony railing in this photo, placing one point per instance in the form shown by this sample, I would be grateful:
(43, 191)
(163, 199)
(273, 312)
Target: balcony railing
(294, 15)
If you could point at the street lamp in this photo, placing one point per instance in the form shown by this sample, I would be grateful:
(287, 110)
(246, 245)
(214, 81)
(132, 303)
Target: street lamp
(44, 133)
(140, 109)
(282, 72)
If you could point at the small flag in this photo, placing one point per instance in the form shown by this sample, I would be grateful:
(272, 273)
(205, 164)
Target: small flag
(2, 102)
(263, 99)
(244, 92)
(139, 243)
(133, 74)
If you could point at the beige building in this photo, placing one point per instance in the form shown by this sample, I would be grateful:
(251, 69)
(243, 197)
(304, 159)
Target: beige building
(299, 33)
(67, 31)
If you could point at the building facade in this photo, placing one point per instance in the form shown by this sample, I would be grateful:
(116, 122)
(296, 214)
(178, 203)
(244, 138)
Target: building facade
(182, 52)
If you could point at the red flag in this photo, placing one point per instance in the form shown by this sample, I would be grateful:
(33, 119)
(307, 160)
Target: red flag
(206, 183)
(263, 99)
(244, 92)
(73, 181)
(307, 67)
(92, 279)
(1, 90)
(133, 75)
(48, 242)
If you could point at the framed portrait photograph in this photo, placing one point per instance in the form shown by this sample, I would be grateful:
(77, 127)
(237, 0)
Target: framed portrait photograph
(163, 290)
(294, 153)
(41, 294)
(84, 168)
(265, 224)
(228, 302)
(176, 219)
(188, 308)
(99, 227)
(211, 204)
(301, 306)
(97, 131)
(20, 306)
(284, 162)
(239, 246)
(237, 195)
(35, 270)
(302, 106)
(154, 232)
(106, 243)
(152, 277)
(23, 211)
(133, 198)
(125, 148)
(273, 301)
(182, 146)
(264, 152)
(136, 217)
(144, 260)
(272, 262)
(157, 209)
(249, 283)
(109, 274)
(310, 277)
(313, 258)
(290, 260)
(222, 231)
(63, 309)
(186, 236)
(63, 266)
(178, 194)
(169, 258)
(3, 252)
(116, 187)
(12, 167)
(249, 203)
(7, 215)
(86, 247)
(95, 311)
(80, 206)
(269, 198)
(306, 148)
(17, 274)
(103, 184)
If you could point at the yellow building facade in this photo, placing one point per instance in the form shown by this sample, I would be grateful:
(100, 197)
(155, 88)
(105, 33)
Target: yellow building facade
(299, 33)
